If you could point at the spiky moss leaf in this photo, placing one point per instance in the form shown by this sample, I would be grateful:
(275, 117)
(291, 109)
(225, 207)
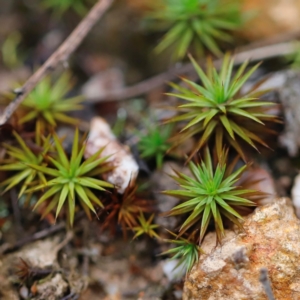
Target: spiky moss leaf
(71, 179)
(48, 104)
(185, 251)
(217, 109)
(210, 194)
(154, 144)
(198, 23)
(146, 227)
(19, 159)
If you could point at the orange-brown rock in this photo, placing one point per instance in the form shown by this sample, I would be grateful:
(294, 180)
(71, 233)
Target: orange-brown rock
(231, 271)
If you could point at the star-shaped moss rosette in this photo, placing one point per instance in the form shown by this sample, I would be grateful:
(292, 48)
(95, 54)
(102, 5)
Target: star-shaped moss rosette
(145, 227)
(61, 6)
(216, 108)
(198, 23)
(19, 159)
(48, 104)
(72, 179)
(185, 251)
(210, 194)
(154, 143)
(124, 209)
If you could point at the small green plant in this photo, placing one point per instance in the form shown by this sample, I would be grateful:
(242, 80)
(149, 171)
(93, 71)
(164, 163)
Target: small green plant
(19, 158)
(61, 6)
(217, 108)
(47, 105)
(72, 179)
(124, 209)
(187, 252)
(145, 227)
(211, 194)
(154, 144)
(200, 23)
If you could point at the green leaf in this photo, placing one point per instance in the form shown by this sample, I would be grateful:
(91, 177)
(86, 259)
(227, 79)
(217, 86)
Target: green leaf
(244, 113)
(207, 132)
(47, 194)
(205, 221)
(71, 205)
(61, 152)
(207, 83)
(171, 36)
(239, 131)
(196, 120)
(75, 146)
(184, 42)
(209, 193)
(48, 171)
(82, 194)
(210, 115)
(227, 125)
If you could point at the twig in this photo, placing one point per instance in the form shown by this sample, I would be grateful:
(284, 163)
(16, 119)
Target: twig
(256, 54)
(37, 236)
(263, 278)
(69, 236)
(60, 56)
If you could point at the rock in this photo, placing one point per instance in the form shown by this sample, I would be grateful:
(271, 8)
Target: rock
(24, 292)
(125, 168)
(171, 270)
(102, 83)
(271, 240)
(40, 254)
(53, 289)
(296, 195)
(289, 96)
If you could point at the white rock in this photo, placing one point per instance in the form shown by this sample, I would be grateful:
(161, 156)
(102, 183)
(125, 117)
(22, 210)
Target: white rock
(102, 83)
(125, 167)
(296, 195)
(170, 270)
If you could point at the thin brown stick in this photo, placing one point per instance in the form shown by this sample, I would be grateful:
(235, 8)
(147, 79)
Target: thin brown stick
(61, 55)
(69, 236)
(255, 54)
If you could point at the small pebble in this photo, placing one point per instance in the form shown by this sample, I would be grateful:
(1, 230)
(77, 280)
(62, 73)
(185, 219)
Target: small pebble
(24, 293)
